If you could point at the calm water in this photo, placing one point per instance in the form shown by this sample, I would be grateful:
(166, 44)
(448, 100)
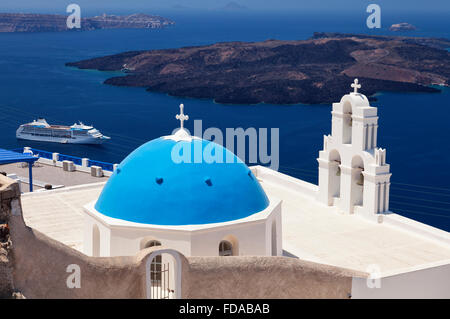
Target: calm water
(34, 82)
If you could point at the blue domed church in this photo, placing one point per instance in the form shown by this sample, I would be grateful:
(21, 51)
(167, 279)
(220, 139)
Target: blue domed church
(186, 193)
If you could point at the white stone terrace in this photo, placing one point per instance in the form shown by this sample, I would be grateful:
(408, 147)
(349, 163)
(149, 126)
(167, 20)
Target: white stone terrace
(319, 233)
(58, 213)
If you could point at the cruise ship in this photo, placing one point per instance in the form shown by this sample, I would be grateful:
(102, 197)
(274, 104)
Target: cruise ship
(40, 130)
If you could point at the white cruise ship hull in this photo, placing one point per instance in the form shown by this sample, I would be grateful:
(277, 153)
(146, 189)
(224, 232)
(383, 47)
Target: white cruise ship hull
(40, 130)
(62, 140)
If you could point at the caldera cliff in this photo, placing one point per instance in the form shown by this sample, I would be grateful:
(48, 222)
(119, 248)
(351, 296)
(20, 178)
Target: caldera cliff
(25, 22)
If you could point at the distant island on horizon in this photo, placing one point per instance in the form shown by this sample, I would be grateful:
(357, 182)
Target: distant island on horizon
(403, 26)
(234, 6)
(314, 71)
(30, 22)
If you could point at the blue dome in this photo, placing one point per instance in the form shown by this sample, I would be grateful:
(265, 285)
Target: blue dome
(150, 187)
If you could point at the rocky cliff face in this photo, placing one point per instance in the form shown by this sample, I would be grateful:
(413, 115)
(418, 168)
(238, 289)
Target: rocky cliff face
(32, 22)
(7, 193)
(17, 22)
(313, 71)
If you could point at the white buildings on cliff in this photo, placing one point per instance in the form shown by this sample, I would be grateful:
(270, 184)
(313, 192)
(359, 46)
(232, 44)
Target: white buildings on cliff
(228, 209)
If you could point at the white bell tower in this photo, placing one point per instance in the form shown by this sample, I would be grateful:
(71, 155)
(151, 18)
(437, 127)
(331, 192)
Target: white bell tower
(353, 174)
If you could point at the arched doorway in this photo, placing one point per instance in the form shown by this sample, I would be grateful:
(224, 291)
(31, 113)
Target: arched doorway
(357, 190)
(347, 123)
(334, 174)
(95, 241)
(156, 267)
(170, 285)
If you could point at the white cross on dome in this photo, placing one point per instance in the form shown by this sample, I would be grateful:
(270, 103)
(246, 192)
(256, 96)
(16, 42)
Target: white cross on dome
(355, 85)
(182, 117)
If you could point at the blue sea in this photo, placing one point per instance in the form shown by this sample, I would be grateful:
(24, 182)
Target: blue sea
(414, 128)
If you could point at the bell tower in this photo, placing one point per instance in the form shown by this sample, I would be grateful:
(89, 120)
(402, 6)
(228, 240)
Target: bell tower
(353, 174)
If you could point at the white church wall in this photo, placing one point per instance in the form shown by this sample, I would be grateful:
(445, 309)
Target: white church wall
(127, 241)
(274, 238)
(103, 239)
(426, 283)
(249, 239)
(87, 235)
(122, 238)
(252, 237)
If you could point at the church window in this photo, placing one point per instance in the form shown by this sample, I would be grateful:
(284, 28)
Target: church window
(225, 248)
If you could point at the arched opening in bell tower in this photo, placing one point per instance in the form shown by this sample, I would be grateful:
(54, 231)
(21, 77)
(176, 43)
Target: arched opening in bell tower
(347, 123)
(335, 174)
(357, 190)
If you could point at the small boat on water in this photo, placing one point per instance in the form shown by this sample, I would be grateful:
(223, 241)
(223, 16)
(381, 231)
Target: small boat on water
(40, 130)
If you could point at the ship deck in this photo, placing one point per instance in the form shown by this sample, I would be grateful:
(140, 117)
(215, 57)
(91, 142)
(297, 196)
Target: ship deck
(59, 127)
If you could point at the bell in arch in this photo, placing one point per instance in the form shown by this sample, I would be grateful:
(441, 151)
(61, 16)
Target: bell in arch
(338, 171)
(360, 180)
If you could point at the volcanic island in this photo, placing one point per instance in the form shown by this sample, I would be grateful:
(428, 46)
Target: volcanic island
(313, 71)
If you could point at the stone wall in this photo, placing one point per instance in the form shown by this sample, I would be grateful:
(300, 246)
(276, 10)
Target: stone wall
(263, 277)
(40, 263)
(36, 265)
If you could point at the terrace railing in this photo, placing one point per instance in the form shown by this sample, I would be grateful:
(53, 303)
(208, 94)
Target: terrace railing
(105, 166)
(62, 157)
(74, 159)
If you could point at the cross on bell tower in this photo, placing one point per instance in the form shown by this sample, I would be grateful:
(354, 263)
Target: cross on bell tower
(182, 117)
(355, 85)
